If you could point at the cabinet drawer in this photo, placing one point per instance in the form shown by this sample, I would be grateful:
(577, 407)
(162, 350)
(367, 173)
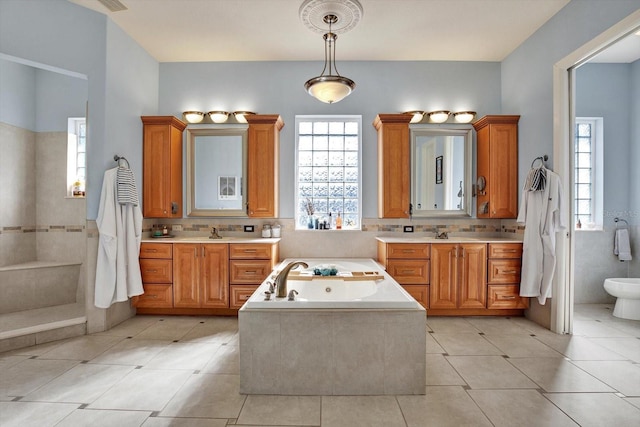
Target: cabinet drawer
(240, 294)
(409, 272)
(156, 270)
(158, 296)
(155, 250)
(249, 271)
(408, 250)
(504, 271)
(506, 296)
(249, 251)
(505, 250)
(419, 292)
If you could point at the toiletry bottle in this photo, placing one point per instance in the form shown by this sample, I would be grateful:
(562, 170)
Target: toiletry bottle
(329, 222)
(338, 222)
(165, 230)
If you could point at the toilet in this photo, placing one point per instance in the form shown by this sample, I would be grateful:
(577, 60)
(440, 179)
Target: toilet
(627, 292)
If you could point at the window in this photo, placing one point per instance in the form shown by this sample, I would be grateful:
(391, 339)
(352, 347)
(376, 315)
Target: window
(328, 170)
(588, 173)
(76, 156)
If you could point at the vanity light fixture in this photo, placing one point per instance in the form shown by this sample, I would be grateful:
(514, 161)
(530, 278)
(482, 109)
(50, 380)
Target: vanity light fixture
(417, 116)
(218, 116)
(193, 116)
(240, 115)
(439, 116)
(464, 116)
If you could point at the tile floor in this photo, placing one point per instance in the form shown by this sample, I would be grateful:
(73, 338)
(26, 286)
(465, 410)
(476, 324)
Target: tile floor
(183, 371)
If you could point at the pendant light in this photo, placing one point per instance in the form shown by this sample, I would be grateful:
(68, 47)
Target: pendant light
(330, 88)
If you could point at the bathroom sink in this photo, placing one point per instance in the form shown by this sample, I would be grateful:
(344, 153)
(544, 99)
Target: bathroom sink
(206, 239)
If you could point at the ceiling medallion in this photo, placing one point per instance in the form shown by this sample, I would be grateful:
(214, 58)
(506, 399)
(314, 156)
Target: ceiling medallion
(347, 12)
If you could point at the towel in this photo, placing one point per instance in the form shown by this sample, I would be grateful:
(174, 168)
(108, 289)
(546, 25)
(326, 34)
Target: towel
(126, 187)
(621, 246)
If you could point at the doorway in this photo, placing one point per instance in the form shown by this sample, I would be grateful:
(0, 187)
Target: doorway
(564, 87)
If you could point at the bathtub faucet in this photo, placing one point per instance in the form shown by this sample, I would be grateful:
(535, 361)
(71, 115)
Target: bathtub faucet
(281, 278)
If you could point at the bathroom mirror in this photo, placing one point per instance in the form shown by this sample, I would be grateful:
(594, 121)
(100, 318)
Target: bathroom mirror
(441, 170)
(216, 167)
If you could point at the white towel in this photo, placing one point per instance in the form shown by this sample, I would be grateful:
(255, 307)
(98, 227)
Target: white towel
(126, 187)
(621, 246)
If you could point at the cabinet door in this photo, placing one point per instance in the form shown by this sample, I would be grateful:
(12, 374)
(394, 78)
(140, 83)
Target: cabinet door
(263, 155)
(472, 275)
(443, 289)
(162, 167)
(503, 169)
(394, 165)
(214, 275)
(186, 269)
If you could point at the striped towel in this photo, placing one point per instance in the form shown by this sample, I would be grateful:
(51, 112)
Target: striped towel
(126, 191)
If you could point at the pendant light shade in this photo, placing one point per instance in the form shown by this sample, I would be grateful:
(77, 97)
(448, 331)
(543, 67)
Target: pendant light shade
(329, 89)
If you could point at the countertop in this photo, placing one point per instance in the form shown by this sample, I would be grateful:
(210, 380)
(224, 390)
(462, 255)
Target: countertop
(206, 239)
(450, 239)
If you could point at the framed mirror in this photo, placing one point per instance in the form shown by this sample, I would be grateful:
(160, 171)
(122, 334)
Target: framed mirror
(216, 170)
(441, 170)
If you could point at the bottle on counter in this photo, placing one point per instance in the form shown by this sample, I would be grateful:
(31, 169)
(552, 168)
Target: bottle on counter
(266, 230)
(338, 222)
(275, 230)
(329, 222)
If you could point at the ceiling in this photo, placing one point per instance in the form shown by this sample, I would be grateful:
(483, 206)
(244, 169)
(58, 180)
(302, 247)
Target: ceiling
(390, 30)
(271, 30)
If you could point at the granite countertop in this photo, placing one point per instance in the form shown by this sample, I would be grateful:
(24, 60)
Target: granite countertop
(450, 239)
(206, 239)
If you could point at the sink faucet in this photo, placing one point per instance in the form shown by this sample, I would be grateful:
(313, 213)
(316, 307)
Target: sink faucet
(442, 235)
(214, 234)
(281, 278)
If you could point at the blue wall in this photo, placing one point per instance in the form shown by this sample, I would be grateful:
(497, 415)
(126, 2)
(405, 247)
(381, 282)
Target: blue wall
(527, 74)
(278, 87)
(125, 82)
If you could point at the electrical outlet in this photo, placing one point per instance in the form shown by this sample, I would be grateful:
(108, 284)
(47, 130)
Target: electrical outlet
(248, 228)
(408, 228)
(176, 227)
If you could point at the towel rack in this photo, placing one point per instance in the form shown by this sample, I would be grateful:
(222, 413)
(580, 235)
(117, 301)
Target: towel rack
(617, 220)
(543, 159)
(118, 158)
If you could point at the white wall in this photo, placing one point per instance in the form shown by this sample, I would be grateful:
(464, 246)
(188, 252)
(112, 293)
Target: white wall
(18, 94)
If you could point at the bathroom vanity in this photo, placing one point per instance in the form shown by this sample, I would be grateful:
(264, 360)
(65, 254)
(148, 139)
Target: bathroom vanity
(202, 276)
(457, 276)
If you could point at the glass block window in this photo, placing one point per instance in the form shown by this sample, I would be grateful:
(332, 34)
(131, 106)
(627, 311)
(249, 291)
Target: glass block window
(76, 154)
(587, 170)
(328, 170)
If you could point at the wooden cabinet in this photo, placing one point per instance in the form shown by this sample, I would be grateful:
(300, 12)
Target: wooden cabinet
(157, 276)
(201, 275)
(202, 278)
(162, 167)
(263, 154)
(408, 264)
(394, 165)
(458, 276)
(504, 267)
(497, 162)
(249, 265)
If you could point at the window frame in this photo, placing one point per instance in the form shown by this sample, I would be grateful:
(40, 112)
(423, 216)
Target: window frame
(597, 173)
(297, 199)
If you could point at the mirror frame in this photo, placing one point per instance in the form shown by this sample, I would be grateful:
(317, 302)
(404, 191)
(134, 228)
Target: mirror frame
(194, 131)
(467, 132)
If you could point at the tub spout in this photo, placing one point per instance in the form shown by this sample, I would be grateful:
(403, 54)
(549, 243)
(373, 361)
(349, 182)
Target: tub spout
(281, 278)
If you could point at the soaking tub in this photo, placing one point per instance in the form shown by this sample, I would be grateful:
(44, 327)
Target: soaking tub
(339, 337)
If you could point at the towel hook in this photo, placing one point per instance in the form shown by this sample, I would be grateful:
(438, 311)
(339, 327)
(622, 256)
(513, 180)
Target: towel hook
(616, 220)
(543, 159)
(118, 158)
